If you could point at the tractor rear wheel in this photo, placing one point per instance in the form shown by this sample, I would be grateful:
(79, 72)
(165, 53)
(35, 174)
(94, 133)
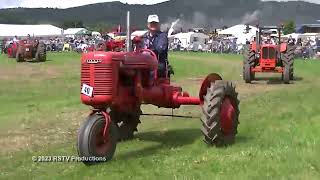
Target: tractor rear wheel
(41, 52)
(19, 56)
(249, 61)
(10, 52)
(127, 123)
(91, 141)
(220, 112)
(247, 73)
(288, 61)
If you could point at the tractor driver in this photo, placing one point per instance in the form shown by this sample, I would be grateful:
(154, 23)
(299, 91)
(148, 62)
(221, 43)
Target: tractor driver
(269, 40)
(157, 41)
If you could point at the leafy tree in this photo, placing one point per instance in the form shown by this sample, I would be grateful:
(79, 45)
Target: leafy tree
(100, 27)
(289, 27)
(72, 24)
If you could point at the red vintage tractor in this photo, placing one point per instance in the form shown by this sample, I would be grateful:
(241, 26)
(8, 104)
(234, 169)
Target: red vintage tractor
(268, 58)
(115, 45)
(12, 50)
(108, 45)
(116, 84)
(30, 50)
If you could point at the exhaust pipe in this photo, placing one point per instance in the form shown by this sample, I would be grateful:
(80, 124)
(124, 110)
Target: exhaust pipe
(258, 40)
(128, 40)
(279, 44)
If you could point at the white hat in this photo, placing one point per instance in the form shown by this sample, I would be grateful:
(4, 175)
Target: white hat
(153, 18)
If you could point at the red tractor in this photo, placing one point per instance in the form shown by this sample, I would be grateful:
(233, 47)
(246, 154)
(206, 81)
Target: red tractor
(116, 84)
(12, 50)
(268, 58)
(108, 45)
(28, 49)
(115, 45)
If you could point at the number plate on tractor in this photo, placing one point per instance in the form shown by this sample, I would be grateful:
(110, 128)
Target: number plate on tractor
(27, 49)
(87, 90)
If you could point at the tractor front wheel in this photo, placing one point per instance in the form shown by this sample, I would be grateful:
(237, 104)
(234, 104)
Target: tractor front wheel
(93, 143)
(220, 113)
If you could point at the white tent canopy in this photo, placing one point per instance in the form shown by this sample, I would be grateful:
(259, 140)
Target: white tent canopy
(239, 31)
(188, 38)
(95, 33)
(293, 35)
(71, 32)
(11, 30)
(138, 33)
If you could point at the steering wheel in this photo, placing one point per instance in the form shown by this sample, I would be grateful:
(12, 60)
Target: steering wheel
(154, 56)
(149, 51)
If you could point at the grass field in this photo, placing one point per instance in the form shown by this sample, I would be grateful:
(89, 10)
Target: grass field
(279, 131)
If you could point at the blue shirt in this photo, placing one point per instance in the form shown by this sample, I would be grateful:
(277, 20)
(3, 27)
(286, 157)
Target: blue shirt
(158, 43)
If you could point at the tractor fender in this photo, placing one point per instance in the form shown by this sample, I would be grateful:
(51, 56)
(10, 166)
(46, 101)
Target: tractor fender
(283, 47)
(211, 78)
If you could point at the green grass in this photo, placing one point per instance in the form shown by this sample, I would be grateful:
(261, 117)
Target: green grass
(278, 138)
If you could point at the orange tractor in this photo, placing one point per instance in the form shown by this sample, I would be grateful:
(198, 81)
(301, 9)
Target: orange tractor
(31, 50)
(268, 58)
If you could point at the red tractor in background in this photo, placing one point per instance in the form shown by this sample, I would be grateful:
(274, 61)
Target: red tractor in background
(268, 58)
(108, 45)
(31, 50)
(116, 84)
(115, 45)
(12, 50)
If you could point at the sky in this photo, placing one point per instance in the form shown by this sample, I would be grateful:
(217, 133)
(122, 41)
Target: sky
(72, 3)
(65, 3)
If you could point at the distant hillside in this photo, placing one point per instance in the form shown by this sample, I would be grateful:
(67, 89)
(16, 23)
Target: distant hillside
(211, 13)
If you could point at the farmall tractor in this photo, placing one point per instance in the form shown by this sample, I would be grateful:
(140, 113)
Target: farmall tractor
(116, 84)
(268, 58)
(31, 50)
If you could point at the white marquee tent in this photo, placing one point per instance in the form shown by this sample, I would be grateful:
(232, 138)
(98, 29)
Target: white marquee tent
(188, 38)
(71, 32)
(11, 30)
(138, 33)
(239, 31)
(95, 33)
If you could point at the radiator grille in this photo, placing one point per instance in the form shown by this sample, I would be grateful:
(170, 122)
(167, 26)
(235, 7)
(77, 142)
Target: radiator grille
(268, 53)
(85, 74)
(102, 78)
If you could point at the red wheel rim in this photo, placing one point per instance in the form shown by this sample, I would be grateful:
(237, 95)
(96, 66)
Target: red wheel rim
(227, 113)
(102, 143)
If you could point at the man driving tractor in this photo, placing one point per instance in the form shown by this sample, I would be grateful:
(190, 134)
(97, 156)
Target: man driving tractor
(268, 40)
(157, 41)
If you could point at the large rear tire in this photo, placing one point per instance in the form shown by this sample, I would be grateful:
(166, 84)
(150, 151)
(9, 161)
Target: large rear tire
(20, 55)
(10, 51)
(220, 113)
(92, 143)
(288, 61)
(248, 63)
(247, 73)
(41, 55)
